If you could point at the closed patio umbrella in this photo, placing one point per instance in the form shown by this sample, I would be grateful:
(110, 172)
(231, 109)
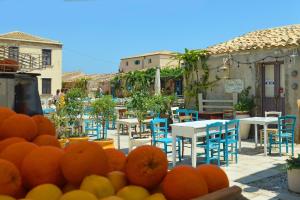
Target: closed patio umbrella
(157, 81)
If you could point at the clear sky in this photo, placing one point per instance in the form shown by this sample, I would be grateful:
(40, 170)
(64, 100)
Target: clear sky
(97, 33)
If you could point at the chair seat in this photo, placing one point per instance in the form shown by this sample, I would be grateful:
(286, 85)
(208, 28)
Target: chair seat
(165, 140)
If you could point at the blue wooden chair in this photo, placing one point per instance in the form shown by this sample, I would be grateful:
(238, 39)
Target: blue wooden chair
(92, 128)
(212, 142)
(285, 135)
(159, 129)
(231, 139)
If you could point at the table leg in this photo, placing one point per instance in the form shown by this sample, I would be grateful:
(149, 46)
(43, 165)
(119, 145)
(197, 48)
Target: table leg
(265, 140)
(118, 134)
(129, 138)
(255, 127)
(240, 143)
(194, 153)
(174, 149)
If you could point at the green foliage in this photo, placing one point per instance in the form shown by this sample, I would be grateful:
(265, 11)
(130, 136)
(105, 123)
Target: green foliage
(160, 104)
(293, 163)
(245, 101)
(102, 109)
(82, 84)
(139, 104)
(143, 80)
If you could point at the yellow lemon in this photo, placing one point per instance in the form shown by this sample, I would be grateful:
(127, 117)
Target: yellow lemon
(156, 196)
(112, 198)
(5, 197)
(78, 195)
(117, 179)
(98, 185)
(44, 192)
(133, 192)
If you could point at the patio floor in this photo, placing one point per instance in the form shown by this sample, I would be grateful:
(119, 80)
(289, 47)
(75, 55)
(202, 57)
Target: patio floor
(260, 177)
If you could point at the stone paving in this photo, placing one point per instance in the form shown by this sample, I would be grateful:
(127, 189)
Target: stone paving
(251, 170)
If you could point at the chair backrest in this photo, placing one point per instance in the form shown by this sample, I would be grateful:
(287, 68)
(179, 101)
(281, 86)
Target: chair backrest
(287, 124)
(159, 127)
(214, 132)
(180, 112)
(272, 114)
(194, 114)
(232, 129)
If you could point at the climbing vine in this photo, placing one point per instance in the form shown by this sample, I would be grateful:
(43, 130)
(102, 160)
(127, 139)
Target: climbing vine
(196, 73)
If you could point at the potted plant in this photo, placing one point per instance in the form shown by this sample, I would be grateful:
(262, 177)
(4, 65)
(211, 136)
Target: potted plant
(102, 110)
(242, 110)
(74, 109)
(139, 104)
(293, 173)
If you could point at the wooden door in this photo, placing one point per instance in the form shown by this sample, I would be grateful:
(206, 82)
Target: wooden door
(273, 87)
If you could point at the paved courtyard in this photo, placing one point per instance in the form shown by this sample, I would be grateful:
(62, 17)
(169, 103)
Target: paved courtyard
(260, 177)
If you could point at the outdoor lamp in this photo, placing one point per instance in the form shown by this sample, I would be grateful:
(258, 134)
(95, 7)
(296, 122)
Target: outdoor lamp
(224, 69)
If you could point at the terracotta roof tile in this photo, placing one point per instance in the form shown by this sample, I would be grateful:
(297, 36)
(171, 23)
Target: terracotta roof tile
(268, 38)
(20, 36)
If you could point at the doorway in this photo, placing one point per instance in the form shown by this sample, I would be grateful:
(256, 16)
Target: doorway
(273, 87)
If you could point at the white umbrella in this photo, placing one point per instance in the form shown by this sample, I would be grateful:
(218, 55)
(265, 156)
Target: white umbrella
(157, 81)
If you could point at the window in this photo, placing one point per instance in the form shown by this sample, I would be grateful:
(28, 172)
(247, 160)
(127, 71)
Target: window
(149, 60)
(46, 56)
(126, 63)
(137, 62)
(13, 53)
(46, 85)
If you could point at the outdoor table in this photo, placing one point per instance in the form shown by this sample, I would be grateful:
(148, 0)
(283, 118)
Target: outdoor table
(129, 123)
(191, 130)
(264, 121)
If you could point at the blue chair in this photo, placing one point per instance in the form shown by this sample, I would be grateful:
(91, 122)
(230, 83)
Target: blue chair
(230, 142)
(92, 128)
(159, 129)
(212, 142)
(285, 135)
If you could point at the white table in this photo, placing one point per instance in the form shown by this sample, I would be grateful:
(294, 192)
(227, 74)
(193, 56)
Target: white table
(131, 141)
(190, 130)
(264, 121)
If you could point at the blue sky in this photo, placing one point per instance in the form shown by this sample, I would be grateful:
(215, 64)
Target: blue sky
(97, 33)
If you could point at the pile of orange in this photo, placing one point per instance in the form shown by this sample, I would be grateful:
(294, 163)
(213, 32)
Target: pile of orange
(34, 166)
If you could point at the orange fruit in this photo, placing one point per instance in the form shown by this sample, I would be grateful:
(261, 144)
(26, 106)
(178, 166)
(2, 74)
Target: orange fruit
(16, 153)
(146, 166)
(42, 166)
(209, 173)
(44, 125)
(83, 159)
(183, 183)
(47, 140)
(5, 113)
(19, 125)
(9, 141)
(10, 178)
(116, 159)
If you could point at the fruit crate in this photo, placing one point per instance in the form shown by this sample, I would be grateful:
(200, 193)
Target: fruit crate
(231, 193)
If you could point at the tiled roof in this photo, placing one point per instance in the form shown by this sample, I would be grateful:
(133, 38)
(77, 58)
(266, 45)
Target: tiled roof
(269, 38)
(73, 76)
(20, 36)
(163, 52)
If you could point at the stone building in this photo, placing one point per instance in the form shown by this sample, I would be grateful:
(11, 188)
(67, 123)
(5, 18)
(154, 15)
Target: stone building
(35, 55)
(148, 60)
(266, 60)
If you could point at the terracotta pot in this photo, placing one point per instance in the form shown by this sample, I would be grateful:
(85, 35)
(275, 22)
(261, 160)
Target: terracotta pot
(293, 177)
(106, 143)
(77, 139)
(63, 142)
(244, 128)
